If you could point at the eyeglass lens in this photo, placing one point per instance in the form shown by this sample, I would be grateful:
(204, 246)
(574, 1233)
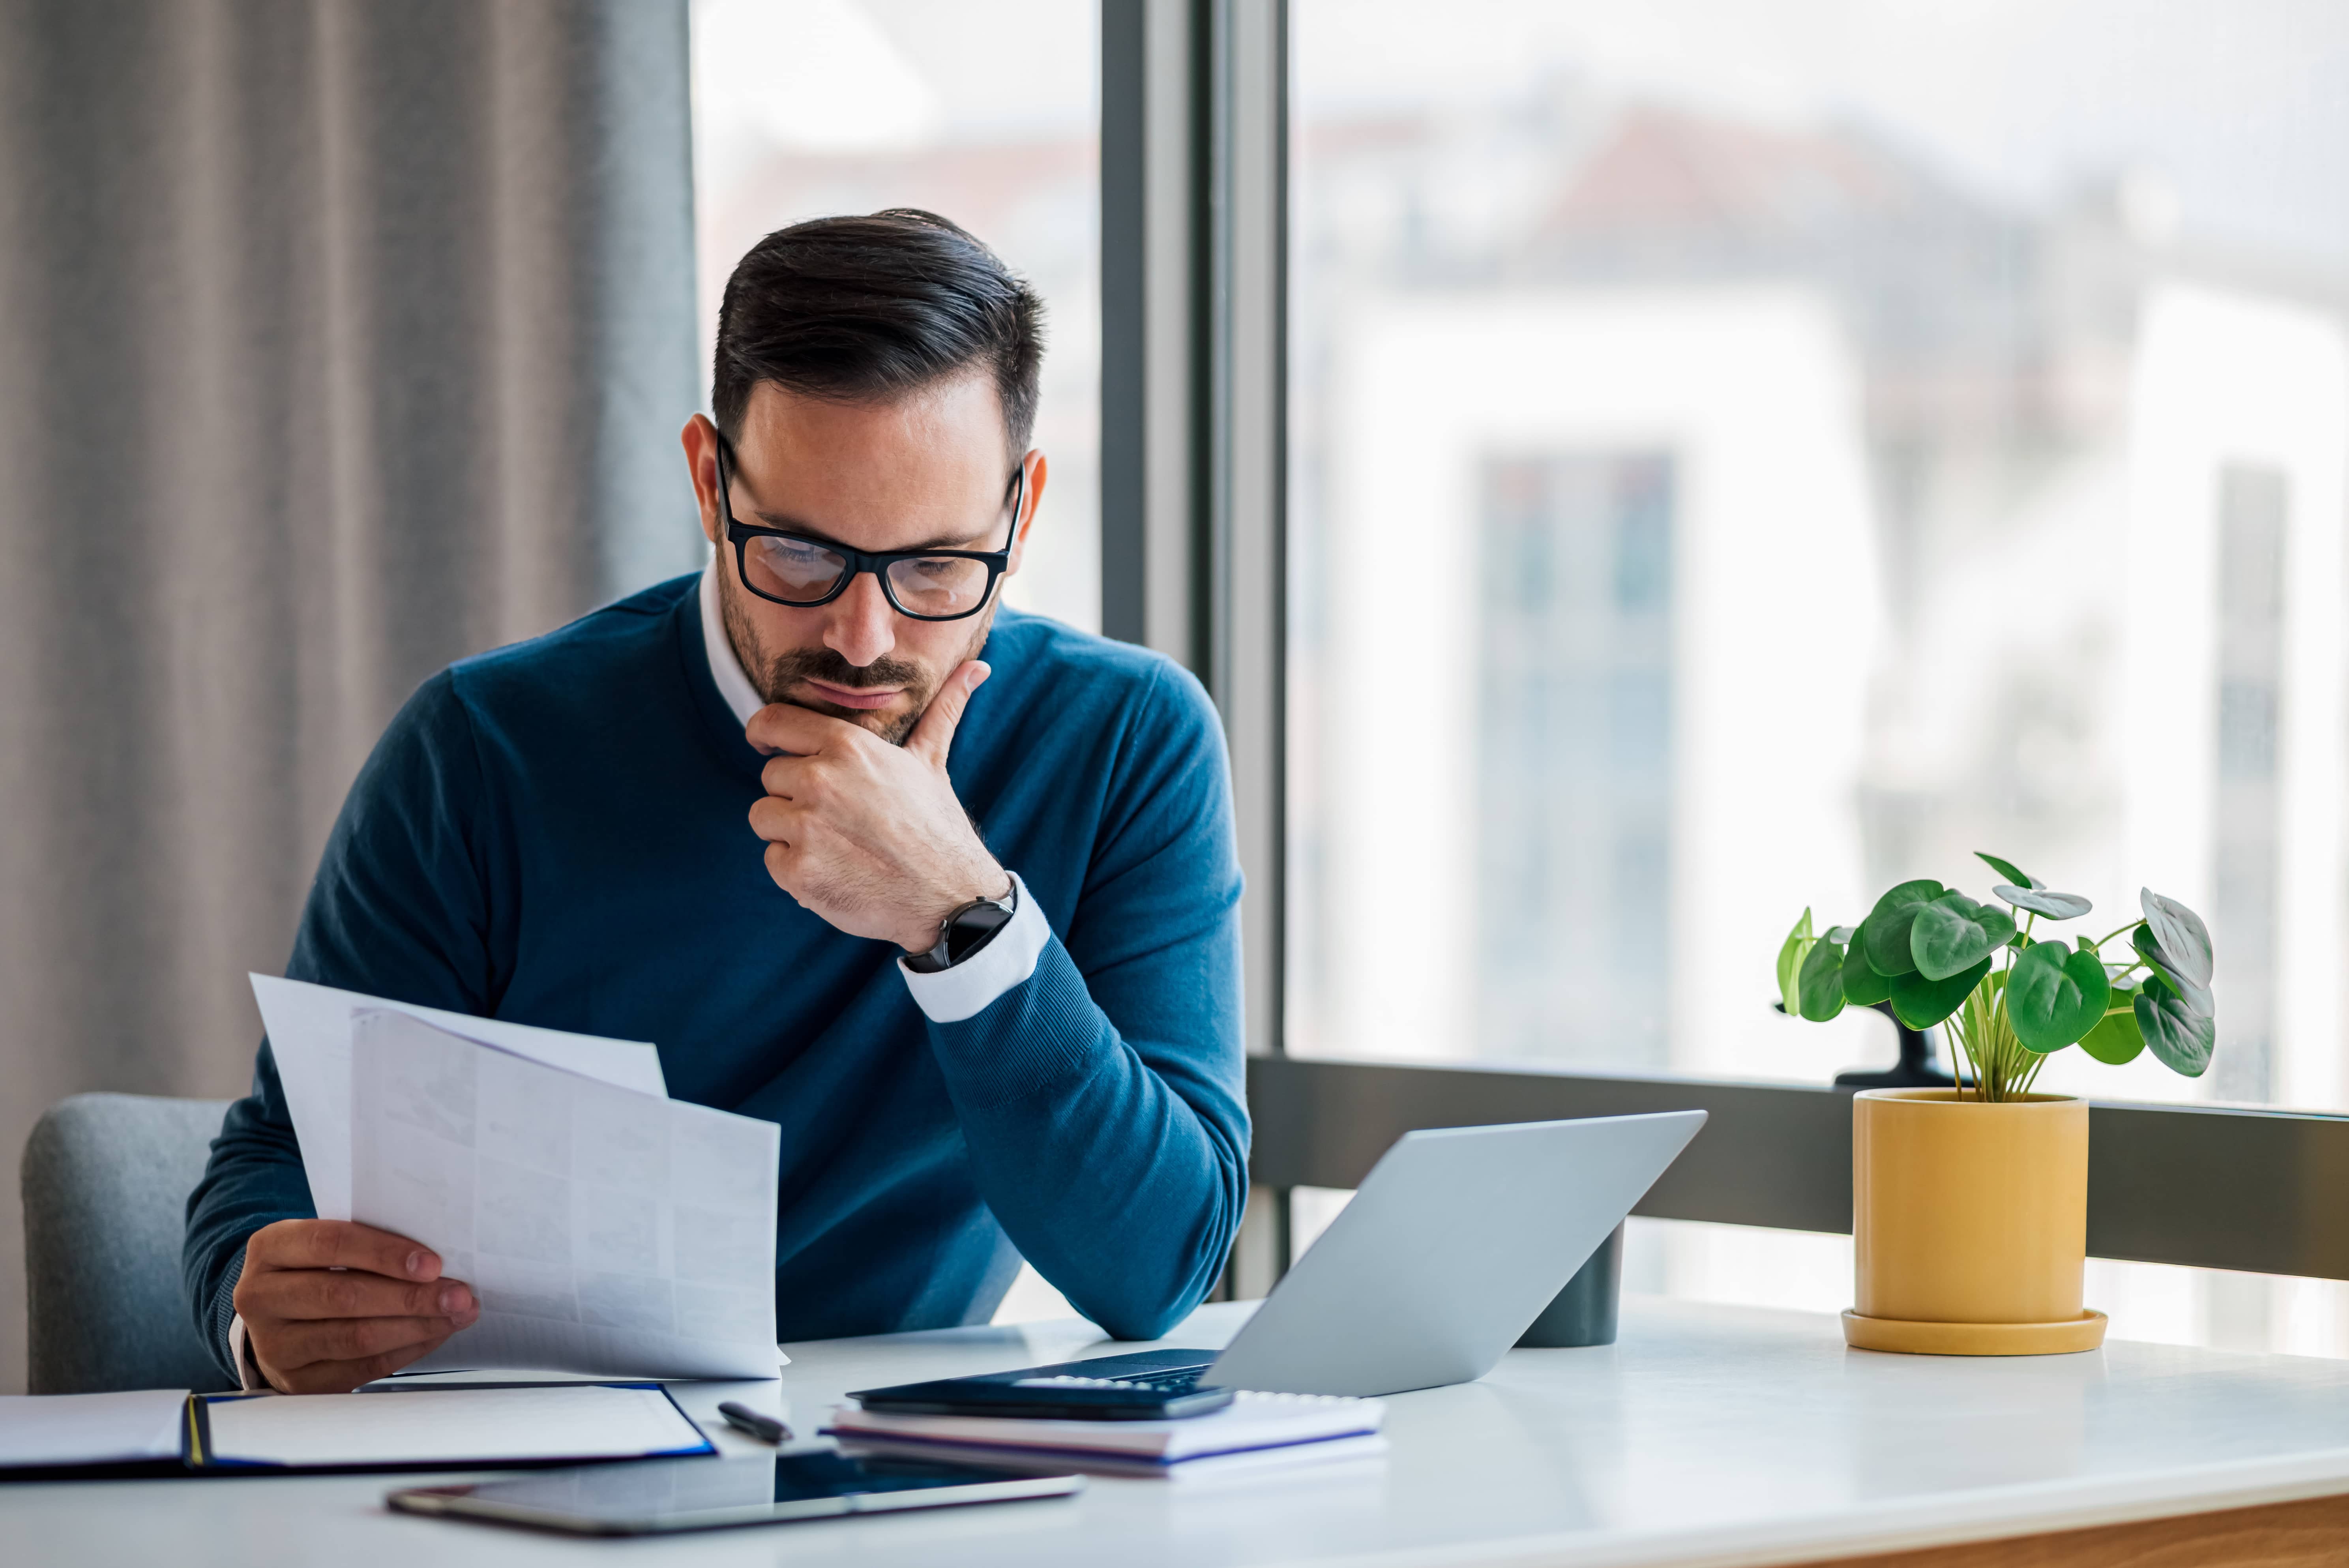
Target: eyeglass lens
(799, 572)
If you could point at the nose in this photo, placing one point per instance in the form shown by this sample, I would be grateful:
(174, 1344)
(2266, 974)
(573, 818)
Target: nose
(863, 627)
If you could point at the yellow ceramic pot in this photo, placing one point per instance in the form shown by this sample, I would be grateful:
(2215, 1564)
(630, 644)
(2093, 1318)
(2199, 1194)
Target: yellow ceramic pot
(1970, 1224)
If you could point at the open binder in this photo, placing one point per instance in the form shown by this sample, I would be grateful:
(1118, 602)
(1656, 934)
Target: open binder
(477, 1426)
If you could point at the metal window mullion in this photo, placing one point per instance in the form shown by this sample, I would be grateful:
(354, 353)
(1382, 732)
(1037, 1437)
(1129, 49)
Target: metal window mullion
(1247, 544)
(1154, 464)
(2205, 1186)
(1249, 480)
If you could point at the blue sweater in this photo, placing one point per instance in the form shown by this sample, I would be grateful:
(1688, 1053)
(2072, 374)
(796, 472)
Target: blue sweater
(557, 833)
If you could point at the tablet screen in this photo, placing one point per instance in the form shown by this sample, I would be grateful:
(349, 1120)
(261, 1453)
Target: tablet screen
(663, 1495)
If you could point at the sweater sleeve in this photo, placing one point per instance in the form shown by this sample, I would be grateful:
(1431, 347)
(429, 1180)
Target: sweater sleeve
(399, 909)
(1102, 1098)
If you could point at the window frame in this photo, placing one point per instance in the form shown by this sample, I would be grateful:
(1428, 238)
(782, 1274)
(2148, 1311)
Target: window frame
(1195, 175)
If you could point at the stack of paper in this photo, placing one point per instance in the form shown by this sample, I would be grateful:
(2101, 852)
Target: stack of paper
(310, 1035)
(1254, 1431)
(605, 1228)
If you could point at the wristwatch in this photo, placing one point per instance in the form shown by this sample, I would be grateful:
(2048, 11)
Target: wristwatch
(967, 929)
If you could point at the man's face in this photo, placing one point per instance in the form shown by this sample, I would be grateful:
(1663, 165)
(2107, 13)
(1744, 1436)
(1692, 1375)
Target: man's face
(928, 470)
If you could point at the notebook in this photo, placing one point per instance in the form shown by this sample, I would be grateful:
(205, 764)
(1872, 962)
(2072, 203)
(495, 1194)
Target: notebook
(125, 1434)
(1038, 1461)
(471, 1426)
(468, 1427)
(1251, 1423)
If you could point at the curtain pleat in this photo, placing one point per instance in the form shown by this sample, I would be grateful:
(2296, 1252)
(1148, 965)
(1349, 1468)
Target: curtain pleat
(337, 340)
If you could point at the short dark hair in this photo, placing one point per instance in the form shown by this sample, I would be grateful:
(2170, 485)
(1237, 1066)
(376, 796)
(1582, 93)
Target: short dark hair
(869, 309)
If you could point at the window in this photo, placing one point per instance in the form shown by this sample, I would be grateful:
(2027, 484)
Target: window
(1747, 452)
(985, 114)
(1744, 454)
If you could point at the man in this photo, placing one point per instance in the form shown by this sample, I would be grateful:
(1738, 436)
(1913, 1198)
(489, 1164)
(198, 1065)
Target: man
(976, 950)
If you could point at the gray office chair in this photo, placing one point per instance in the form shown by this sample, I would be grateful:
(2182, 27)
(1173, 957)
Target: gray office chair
(105, 1182)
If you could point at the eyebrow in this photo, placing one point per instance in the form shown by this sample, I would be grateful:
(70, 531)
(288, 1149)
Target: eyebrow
(794, 525)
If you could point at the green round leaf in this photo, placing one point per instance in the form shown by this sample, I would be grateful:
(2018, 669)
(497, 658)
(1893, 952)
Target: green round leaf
(2054, 995)
(2116, 1039)
(2054, 906)
(2009, 870)
(2198, 1000)
(1920, 1002)
(1887, 926)
(1953, 933)
(1791, 954)
(1822, 982)
(2179, 1040)
(1863, 984)
(2184, 940)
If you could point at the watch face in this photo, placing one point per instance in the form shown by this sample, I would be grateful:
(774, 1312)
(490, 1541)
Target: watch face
(970, 928)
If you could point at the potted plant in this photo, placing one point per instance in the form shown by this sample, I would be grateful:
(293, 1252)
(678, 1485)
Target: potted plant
(1970, 1205)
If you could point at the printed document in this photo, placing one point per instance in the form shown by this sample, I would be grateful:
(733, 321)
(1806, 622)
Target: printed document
(310, 1038)
(605, 1229)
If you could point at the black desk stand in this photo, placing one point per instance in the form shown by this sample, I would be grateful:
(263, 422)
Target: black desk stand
(1918, 1068)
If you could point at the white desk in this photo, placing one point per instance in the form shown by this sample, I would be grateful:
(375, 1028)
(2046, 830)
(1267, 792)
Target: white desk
(1708, 1435)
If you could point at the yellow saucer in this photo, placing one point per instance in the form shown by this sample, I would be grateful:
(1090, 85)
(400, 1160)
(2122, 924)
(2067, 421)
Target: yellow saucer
(2085, 1331)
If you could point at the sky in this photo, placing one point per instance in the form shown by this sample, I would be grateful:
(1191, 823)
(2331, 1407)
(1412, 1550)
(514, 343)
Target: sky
(2241, 106)
(2238, 106)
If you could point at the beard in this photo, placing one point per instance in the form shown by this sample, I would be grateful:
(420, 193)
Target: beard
(773, 674)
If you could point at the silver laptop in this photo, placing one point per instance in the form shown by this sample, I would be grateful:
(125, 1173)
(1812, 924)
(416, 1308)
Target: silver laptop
(1452, 1247)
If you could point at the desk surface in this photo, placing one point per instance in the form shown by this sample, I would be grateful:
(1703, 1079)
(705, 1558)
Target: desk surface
(1708, 1435)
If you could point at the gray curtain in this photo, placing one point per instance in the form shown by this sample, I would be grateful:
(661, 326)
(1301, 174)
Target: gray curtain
(338, 339)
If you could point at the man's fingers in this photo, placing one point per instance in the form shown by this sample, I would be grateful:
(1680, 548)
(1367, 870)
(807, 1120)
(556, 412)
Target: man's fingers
(787, 775)
(802, 732)
(778, 821)
(304, 1294)
(341, 1376)
(354, 1338)
(934, 736)
(340, 1244)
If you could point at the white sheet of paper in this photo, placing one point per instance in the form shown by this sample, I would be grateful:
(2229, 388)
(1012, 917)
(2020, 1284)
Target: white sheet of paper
(310, 1035)
(451, 1425)
(605, 1231)
(90, 1428)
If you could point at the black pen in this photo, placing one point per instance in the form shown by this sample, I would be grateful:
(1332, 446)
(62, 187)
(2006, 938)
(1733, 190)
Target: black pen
(766, 1428)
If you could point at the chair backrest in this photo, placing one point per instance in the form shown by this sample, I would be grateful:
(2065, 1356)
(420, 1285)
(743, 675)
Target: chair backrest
(105, 1183)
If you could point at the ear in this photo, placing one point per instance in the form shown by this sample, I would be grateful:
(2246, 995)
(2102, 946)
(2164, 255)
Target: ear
(1031, 496)
(699, 438)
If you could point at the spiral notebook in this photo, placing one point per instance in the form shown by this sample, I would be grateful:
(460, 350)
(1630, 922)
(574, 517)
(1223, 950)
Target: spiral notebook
(1273, 1427)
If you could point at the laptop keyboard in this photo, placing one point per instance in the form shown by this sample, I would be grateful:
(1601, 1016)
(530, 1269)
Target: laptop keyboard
(1175, 1380)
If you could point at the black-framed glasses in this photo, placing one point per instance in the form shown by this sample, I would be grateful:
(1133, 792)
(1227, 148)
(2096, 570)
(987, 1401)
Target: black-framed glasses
(921, 584)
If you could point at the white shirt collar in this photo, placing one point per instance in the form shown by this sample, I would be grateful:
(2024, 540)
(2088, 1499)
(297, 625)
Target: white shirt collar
(725, 668)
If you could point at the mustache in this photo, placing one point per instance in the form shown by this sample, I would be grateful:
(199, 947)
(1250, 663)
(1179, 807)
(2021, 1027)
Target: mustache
(788, 670)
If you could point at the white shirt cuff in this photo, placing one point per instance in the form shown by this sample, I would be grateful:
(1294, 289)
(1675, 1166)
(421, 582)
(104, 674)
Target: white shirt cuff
(240, 1350)
(951, 995)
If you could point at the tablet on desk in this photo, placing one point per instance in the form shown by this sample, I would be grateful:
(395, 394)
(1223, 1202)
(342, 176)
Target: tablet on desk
(662, 1498)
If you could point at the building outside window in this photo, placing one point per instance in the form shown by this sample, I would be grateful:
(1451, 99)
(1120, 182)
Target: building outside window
(1744, 455)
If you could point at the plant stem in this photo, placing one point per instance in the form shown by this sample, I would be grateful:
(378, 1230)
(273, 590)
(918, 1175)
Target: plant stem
(2108, 936)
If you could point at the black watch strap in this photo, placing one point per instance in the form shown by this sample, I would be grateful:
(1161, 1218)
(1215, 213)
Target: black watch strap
(965, 931)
